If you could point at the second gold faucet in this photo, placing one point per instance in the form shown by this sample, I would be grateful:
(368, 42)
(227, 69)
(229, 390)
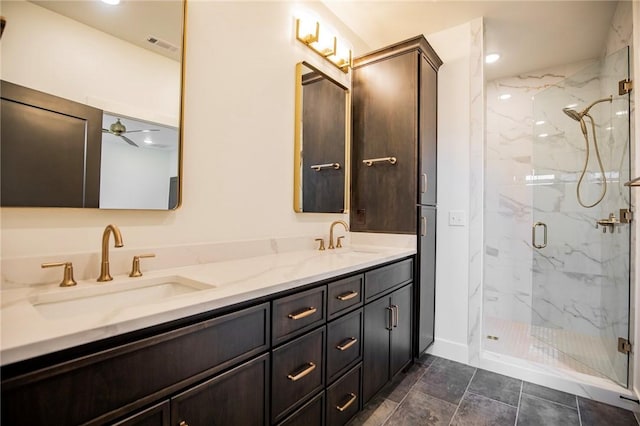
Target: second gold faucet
(346, 228)
(104, 262)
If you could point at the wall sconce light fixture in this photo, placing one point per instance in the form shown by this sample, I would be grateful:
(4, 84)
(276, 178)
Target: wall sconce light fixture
(324, 44)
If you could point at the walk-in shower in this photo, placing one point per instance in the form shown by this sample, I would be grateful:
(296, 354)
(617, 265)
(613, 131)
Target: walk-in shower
(557, 296)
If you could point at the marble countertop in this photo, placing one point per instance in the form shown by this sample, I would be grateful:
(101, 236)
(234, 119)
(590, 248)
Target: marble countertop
(28, 331)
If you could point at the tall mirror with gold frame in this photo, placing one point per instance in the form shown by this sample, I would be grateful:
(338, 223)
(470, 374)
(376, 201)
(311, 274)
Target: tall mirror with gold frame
(321, 158)
(92, 109)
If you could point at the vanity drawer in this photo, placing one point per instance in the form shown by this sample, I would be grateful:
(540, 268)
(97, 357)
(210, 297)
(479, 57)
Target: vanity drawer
(344, 344)
(310, 414)
(343, 398)
(382, 279)
(300, 312)
(297, 372)
(100, 387)
(344, 295)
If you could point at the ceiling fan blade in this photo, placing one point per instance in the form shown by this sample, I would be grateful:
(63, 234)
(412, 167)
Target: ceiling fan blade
(143, 130)
(129, 141)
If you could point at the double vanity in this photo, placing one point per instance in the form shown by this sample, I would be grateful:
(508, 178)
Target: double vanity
(300, 336)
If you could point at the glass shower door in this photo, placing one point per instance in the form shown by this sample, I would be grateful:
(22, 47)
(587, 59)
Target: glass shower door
(580, 268)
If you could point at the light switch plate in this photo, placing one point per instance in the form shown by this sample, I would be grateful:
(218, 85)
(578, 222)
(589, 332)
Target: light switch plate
(457, 218)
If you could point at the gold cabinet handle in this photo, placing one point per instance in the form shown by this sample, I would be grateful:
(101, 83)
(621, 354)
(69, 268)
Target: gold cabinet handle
(352, 399)
(297, 376)
(347, 296)
(67, 278)
(183, 423)
(423, 226)
(349, 342)
(423, 183)
(396, 315)
(308, 311)
(390, 318)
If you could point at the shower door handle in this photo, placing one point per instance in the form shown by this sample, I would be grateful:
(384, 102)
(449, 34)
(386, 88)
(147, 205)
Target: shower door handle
(533, 235)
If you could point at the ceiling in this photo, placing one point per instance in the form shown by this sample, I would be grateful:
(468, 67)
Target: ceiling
(529, 35)
(131, 20)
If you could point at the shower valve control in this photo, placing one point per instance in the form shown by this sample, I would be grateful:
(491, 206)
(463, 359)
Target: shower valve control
(610, 223)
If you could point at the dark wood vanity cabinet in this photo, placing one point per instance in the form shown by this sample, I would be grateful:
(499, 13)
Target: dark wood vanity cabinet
(299, 358)
(394, 115)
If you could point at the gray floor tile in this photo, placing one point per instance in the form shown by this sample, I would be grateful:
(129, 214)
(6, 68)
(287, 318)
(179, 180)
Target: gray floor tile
(496, 386)
(425, 360)
(535, 412)
(446, 380)
(550, 394)
(375, 413)
(400, 386)
(421, 409)
(476, 410)
(594, 413)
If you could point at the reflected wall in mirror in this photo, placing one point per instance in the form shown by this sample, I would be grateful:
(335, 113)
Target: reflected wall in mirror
(321, 143)
(126, 62)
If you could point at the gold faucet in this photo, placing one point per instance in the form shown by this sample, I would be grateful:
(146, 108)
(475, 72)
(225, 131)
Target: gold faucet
(104, 264)
(346, 228)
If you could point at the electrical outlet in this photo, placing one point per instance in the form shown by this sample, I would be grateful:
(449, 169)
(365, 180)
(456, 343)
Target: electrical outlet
(457, 218)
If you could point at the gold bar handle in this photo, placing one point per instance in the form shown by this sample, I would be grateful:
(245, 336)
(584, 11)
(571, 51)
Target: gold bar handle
(308, 311)
(294, 377)
(423, 183)
(396, 315)
(423, 226)
(352, 399)
(347, 296)
(318, 167)
(183, 423)
(344, 346)
(371, 161)
(390, 318)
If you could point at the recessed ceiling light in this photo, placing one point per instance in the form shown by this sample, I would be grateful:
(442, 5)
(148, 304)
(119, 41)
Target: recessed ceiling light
(111, 2)
(148, 141)
(543, 135)
(540, 122)
(505, 96)
(491, 58)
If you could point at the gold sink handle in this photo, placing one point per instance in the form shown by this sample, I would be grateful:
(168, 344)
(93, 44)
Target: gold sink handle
(135, 266)
(67, 279)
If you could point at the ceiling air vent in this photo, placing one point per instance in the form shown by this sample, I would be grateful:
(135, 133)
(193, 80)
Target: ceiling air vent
(162, 43)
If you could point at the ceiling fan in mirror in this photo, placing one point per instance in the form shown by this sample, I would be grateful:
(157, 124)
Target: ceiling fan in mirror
(119, 129)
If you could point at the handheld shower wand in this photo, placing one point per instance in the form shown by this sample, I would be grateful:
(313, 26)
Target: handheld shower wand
(579, 117)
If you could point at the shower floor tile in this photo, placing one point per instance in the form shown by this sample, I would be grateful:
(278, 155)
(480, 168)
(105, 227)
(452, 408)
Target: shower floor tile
(550, 347)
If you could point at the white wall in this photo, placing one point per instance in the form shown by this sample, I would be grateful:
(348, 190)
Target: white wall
(238, 142)
(452, 272)
(135, 177)
(54, 54)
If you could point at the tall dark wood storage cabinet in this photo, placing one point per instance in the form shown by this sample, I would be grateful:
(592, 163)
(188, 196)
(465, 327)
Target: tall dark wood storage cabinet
(394, 158)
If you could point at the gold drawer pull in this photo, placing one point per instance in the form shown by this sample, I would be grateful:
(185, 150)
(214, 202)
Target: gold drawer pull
(183, 423)
(347, 296)
(344, 346)
(303, 314)
(301, 374)
(352, 399)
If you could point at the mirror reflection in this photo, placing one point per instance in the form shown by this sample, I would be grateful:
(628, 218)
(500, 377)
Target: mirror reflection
(321, 141)
(125, 62)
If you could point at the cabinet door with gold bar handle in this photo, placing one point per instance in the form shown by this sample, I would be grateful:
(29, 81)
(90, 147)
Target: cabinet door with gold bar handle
(298, 313)
(344, 295)
(297, 373)
(343, 398)
(344, 344)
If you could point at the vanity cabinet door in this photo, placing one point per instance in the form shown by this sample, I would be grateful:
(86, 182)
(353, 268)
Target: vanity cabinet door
(401, 336)
(385, 124)
(377, 323)
(344, 344)
(343, 398)
(310, 414)
(344, 295)
(297, 373)
(428, 133)
(298, 313)
(236, 398)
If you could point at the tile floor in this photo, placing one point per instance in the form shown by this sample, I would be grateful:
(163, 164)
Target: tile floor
(436, 391)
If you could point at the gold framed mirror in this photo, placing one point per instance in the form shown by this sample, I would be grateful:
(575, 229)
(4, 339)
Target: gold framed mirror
(122, 62)
(321, 143)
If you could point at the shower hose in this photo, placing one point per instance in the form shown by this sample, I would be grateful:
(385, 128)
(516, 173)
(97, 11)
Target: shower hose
(586, 162)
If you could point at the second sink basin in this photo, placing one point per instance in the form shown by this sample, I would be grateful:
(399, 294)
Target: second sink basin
(107, 297)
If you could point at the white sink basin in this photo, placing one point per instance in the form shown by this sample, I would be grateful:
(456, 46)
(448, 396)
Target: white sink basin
(114, 295)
